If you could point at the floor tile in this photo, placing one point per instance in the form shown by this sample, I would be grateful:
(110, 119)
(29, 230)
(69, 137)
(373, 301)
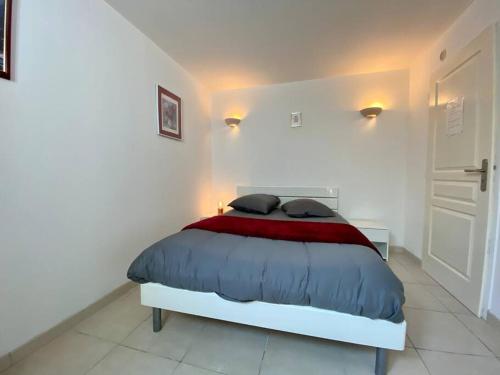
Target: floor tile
(406, 259)
(434, 330)
(450, 302)
(408, 343)
(407, 362)
(115, 321)
(462, 343)
(178, 333)
(420, 276)
(70, 354)
(413, 266)
(391, 261)
(185, 369)
(409, 271)
(493, 321)
(418, 297)
(296, 355)
(5, 362)
(457, 364)
(361, 361)
(402, 273)
(229, 348)
(124, 361)
(487, 333)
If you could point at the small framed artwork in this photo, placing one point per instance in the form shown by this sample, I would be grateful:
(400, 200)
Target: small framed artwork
(5, 37)
(169, 114)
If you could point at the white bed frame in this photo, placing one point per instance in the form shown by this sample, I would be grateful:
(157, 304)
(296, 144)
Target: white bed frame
(303, 320)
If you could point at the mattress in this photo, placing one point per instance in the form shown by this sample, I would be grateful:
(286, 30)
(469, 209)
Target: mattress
(343, 277)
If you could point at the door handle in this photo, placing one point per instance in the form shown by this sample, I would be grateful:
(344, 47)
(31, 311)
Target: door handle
(484, 173)
(475, 170)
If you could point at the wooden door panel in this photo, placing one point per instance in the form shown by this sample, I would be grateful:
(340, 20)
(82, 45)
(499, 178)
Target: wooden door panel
(451, 239)
(458, 151)
(456, 190)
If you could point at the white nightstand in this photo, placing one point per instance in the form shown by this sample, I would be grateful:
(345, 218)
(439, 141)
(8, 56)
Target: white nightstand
(376, 232)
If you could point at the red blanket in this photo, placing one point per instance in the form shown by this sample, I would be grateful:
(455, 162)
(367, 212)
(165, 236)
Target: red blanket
(301, 231)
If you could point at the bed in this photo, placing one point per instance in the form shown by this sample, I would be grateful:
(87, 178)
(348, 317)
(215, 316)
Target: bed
(339, 291)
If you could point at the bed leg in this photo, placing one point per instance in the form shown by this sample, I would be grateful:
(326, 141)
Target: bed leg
(156, 319)
(381, 361)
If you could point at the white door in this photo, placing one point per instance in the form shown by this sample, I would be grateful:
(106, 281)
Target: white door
(458, 192)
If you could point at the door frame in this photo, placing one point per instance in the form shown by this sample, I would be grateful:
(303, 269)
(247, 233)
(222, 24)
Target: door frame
(494, 220)
(493, 178)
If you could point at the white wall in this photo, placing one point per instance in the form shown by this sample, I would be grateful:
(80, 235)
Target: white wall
(416, 156)
(85, 181)
(475, 19)
(335, 147)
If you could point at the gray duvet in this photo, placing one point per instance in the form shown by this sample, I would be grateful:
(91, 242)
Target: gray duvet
(346, 278)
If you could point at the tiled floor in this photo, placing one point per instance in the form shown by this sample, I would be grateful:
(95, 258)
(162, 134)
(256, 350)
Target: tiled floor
(443, 338)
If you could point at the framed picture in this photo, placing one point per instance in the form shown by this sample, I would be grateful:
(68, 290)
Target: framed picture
(5, 37)
(169, 114)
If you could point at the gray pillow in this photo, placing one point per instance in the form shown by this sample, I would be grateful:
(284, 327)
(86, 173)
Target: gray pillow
(256, 203)
(306, 208)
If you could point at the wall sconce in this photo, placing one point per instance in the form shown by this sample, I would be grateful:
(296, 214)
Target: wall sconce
(371, 112)
(232, 121)
(220, 208)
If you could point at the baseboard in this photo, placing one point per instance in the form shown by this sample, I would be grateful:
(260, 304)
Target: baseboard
(35, 343)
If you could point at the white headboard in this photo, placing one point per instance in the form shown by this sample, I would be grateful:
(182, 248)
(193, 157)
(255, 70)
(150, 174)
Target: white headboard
(329, 196)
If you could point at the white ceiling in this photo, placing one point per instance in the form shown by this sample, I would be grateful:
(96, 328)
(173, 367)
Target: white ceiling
(240, 43)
